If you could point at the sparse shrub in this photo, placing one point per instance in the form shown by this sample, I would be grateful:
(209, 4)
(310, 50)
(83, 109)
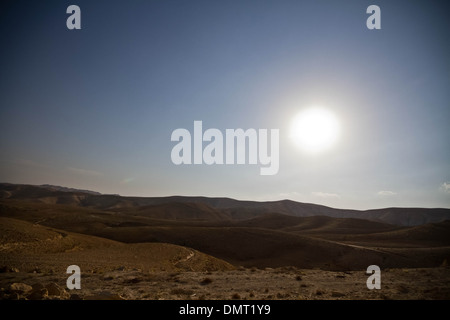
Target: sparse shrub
(298, 278)
(319, 292)
(402, 289)
(236, 296)
(181, 291)
(206, 281)
(36, 270)
(132, 280)
(266, 290)
(173, 275)
(252, 295)
(337, 294)
(279, 270)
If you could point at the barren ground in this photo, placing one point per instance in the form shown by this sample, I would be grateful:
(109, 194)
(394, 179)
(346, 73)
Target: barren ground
(282, 283)
(136, 248)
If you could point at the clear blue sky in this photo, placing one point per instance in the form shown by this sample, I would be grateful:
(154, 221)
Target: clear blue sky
(95, 108)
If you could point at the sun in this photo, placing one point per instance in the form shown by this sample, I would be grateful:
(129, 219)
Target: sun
(315, 130)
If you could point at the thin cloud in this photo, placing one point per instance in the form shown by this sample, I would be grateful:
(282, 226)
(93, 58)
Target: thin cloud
(288, 195)
(295, 196)
(326, 195)
(30, 163)
(445, 187)
(84, 172)
(127, 180)
(386, 193)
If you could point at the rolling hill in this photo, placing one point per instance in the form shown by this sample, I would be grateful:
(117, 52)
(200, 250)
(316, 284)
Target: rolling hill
(222, 208)
(27, 246)
(262, 234)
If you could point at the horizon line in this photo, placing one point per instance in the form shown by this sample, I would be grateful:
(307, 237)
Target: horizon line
(218, 197)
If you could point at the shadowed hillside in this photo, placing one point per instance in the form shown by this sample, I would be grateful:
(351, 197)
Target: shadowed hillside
(178, 211)
(266, 240)
(317, 224)
(224, 207)
(25, 245)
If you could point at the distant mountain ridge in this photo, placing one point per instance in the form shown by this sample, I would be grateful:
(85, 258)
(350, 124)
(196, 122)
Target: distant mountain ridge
(219, 208)
(65, 189)
(242, 233)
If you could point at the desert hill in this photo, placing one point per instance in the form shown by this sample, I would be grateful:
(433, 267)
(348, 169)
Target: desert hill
(426, 236)
(271, 240)
(268, 248)
(225, 207)
(317, 224)
(261, 234)
(27, 246)
(178, 211)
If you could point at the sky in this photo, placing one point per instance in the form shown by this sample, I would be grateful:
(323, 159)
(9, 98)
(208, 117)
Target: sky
(95, 108)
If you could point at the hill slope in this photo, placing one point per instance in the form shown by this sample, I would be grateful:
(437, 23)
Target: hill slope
(220, 208)
(27, 246)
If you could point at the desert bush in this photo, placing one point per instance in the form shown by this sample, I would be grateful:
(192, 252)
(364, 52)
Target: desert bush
(206, 281)
(181, 291)
(319, 292)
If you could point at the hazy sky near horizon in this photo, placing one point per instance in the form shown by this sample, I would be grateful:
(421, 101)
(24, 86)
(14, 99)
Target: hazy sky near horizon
(95, 108)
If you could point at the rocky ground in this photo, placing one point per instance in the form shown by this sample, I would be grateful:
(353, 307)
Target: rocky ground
(286, 283)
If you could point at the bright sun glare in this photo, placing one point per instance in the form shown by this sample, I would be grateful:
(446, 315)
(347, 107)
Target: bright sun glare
(315, 130)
